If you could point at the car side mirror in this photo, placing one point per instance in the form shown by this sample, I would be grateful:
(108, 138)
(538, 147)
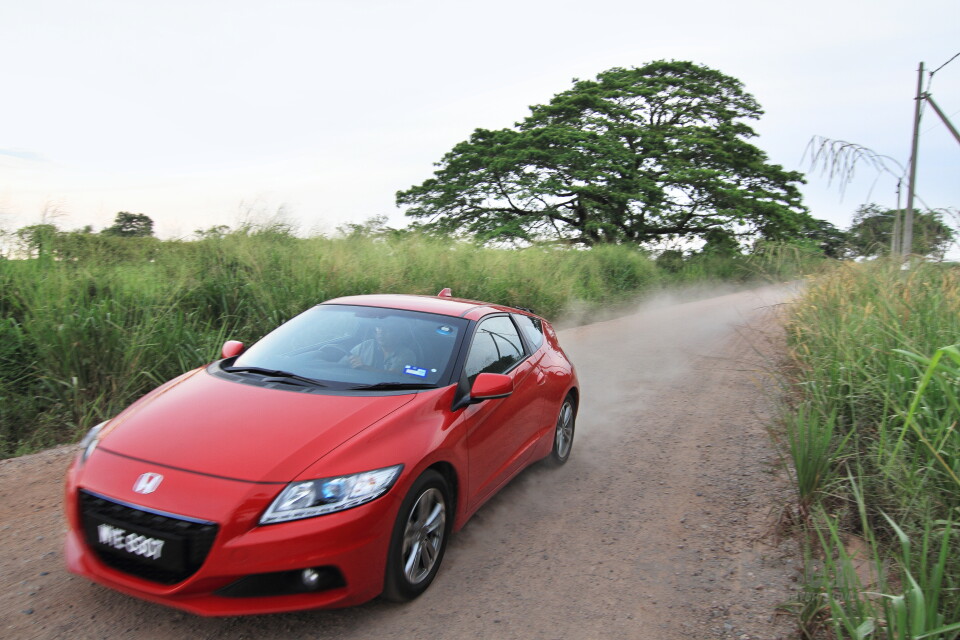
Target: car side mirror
(488, 386)
(231, 348)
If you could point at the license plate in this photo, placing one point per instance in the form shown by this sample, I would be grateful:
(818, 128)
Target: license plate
(165, 551)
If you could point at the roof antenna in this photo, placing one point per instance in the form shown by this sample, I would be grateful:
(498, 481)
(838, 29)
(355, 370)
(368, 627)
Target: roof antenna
(445, 293)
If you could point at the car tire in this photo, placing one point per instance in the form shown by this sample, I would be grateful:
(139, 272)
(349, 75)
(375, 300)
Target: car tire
(563, 432)
(419, 538)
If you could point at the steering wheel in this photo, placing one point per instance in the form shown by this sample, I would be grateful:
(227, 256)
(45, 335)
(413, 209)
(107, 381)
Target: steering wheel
(332, 353)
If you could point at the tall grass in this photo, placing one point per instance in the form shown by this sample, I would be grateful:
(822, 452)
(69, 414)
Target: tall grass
(877, 367)
(767, 261)
(90, 322)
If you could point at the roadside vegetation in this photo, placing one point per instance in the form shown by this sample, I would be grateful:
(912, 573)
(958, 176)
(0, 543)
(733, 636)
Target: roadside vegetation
(876, 449)
(89, 322)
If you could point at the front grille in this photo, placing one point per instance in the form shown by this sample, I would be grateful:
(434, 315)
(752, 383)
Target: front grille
(188, 541)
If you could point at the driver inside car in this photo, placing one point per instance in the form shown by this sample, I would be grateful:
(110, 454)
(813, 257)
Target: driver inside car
(384, 352)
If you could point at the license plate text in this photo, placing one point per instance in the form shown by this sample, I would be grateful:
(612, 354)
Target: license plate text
(133, 543)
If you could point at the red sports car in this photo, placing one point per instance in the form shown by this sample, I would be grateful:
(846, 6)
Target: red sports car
(325, 465)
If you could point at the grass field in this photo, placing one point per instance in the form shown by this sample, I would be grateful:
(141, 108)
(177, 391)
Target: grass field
(89, 323)
(875, 444)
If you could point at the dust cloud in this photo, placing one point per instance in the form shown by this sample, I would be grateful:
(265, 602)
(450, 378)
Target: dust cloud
(657, 523)
(640, 365)
(640, 356)
(579, 312)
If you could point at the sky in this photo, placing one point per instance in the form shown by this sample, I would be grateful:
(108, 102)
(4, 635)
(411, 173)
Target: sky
(200, 113)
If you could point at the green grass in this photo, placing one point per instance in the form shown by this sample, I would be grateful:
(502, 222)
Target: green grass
(876, 449)
(89, 323)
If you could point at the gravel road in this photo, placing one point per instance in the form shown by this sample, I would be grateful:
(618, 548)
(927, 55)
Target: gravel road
(661, 526)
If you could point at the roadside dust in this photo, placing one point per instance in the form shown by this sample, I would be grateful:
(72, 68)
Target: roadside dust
(581, 313)
(659, 526)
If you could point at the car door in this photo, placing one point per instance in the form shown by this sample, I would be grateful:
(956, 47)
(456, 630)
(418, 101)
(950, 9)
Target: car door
(501, 432)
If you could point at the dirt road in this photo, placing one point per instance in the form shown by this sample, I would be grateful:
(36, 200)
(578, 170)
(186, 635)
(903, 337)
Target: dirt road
(659, 527)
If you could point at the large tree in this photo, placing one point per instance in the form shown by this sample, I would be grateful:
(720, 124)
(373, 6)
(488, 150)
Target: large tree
(637, 155)
(130, 225)
(873, 228)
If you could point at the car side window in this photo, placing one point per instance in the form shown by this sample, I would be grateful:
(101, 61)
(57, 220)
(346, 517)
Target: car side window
(496, 348)
(532, 329)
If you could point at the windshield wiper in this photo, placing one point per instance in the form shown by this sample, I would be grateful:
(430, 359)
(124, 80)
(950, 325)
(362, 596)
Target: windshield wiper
(392, 386)
(279, 375)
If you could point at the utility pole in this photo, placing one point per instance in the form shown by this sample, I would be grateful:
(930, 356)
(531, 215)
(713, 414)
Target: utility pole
(897, 223)
(907, 246)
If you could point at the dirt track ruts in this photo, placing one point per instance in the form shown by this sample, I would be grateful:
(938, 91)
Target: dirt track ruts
(659, 527)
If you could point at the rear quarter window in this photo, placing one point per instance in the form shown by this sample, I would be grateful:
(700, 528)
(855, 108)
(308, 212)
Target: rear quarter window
(532, 329)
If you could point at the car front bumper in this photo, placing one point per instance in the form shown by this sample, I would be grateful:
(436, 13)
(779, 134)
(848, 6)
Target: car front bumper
(250, 569)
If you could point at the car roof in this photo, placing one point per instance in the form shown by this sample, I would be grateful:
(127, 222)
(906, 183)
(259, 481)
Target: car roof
(447, 306)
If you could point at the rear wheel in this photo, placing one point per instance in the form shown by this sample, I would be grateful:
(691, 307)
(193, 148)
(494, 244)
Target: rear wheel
(563, 433)
(419, 538)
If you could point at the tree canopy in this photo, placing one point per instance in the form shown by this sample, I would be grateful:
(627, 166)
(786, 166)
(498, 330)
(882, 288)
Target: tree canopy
(828, 239)
(873, 227)
(637, 155)
(130, 225)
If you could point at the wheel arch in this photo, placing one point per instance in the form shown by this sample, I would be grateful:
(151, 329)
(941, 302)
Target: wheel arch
(574, 392)
(449, 473)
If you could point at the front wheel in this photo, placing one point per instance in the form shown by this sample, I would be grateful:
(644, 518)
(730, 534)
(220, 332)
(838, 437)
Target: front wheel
(563, 433)
(419, 538)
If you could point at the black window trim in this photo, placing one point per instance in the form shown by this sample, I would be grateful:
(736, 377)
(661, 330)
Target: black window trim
(468, 344)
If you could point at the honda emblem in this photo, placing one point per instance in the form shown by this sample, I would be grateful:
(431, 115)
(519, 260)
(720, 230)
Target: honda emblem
(147, 483)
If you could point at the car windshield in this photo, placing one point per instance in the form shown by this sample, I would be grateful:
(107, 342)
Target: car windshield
(356, 347)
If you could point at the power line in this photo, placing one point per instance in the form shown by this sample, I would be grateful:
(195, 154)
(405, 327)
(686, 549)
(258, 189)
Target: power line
(930, 86)
(930, 75)
(955, 56)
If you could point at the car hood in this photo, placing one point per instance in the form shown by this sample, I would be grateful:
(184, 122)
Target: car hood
(217, 427)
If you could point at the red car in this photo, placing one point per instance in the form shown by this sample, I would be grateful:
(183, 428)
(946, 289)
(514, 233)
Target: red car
(327, 464)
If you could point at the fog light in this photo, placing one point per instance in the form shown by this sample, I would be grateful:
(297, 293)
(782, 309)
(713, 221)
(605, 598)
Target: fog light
(310, 578)
(284, 583)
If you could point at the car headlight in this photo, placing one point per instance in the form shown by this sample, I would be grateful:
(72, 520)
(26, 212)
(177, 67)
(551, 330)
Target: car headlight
(90, 441)
(318, 497)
